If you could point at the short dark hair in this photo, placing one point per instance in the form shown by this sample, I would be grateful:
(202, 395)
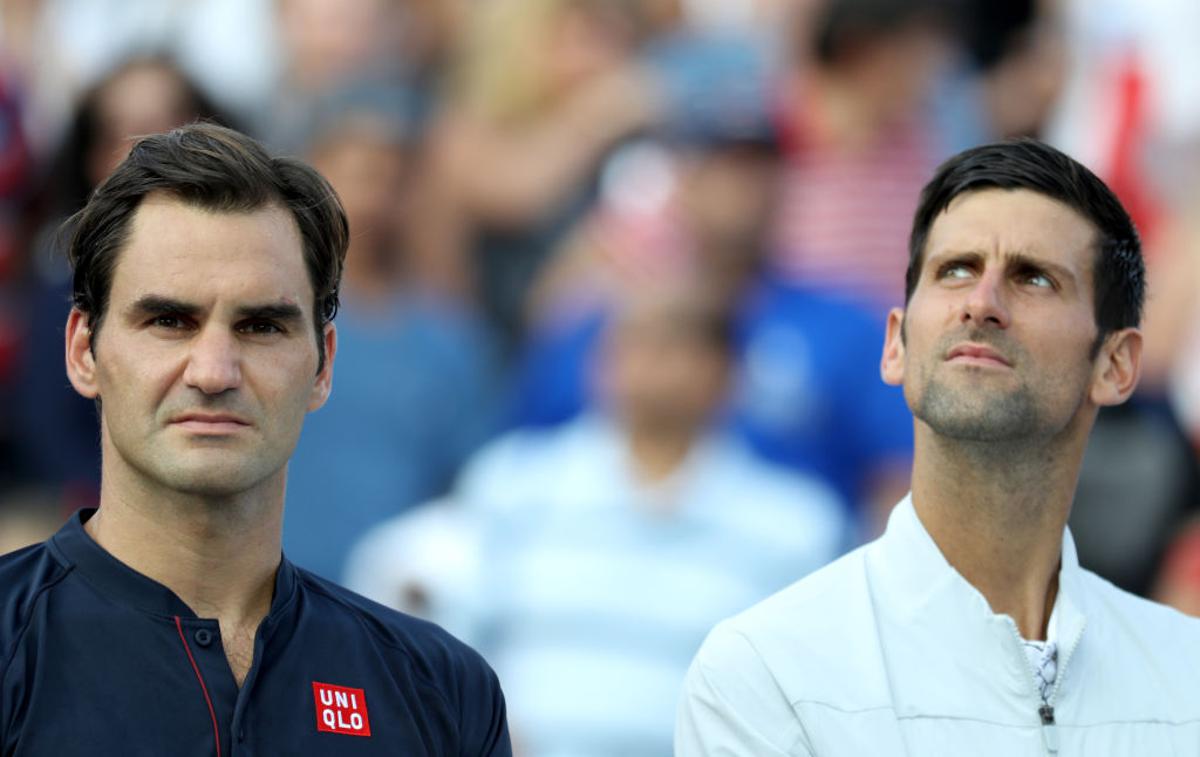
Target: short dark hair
(1119, 272)
(841, 25)
(217, 169)
(992, 31)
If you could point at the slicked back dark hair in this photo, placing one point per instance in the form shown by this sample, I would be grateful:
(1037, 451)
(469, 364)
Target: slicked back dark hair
(217, 169)
(1119, 273)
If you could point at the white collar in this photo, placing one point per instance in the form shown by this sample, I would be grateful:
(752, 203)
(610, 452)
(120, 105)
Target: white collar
(947, 628)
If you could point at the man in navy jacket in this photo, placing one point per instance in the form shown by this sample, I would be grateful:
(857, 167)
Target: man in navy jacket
(167, 621)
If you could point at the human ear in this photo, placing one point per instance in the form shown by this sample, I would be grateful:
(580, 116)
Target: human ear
(81, 358)
(324, 381)
(1118, 366)
(891, 365)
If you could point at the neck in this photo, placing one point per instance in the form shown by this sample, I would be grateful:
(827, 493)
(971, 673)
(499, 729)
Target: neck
(218, 555)
(657, 453)
(997, 513)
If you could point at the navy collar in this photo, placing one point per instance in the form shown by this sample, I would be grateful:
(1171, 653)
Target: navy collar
(116, 580)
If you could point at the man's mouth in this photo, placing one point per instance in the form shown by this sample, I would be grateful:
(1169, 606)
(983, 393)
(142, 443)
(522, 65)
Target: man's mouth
(210, 423)
(970, 353)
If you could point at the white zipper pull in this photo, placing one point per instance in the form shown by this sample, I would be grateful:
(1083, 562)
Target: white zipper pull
(1049, 728)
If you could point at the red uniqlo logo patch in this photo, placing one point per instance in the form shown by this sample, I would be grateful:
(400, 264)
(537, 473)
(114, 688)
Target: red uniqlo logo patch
(341, 710)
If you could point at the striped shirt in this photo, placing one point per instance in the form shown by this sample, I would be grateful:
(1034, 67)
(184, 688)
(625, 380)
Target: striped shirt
(844, 217)
(600, 589)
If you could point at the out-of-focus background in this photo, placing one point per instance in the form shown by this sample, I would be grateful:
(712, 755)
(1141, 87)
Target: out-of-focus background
(614, 301)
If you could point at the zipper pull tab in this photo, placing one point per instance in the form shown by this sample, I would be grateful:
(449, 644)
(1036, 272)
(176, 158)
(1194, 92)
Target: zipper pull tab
(1049, 728)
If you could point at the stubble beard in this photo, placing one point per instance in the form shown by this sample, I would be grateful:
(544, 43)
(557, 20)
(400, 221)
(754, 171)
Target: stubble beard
(1000, 417)
(194, 476)
(211, 474)
(979, 413)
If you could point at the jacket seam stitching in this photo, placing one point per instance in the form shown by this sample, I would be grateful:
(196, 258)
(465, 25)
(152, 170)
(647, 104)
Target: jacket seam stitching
(802, 737)
(1094, 724)
(28, 620)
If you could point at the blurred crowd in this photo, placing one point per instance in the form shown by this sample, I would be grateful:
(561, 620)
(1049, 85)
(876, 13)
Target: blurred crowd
(613, 307)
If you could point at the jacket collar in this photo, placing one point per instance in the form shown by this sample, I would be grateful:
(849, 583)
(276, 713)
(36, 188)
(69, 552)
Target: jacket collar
(949, 633)
(117, 581)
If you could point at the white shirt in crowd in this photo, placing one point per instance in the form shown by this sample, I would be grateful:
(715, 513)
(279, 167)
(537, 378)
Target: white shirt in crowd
(592, 590)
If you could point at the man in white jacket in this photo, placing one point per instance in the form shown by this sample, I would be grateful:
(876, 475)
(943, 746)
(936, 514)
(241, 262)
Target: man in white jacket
(969, 626)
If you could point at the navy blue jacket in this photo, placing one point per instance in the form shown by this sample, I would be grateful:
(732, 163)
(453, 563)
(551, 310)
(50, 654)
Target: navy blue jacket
(97, 659)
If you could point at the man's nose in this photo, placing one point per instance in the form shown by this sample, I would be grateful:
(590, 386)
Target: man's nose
(214, 361)
(986, 302)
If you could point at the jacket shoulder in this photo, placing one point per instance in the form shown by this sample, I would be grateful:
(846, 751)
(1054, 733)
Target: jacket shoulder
(1145, 619)
(427, 645)
(25, 576)
(815, 638)
(1160, 644)
(823, 599)
(447, 668)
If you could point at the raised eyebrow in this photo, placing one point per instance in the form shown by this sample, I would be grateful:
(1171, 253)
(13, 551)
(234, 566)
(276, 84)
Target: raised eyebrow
(154, 304)
(1021, 260)
(277, 311)
(953, 256)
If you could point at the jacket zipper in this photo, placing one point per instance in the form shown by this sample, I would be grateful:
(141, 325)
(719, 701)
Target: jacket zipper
(1046, 711)
(1049, 728)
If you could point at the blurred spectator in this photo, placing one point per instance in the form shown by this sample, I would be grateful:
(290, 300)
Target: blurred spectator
(327, 45)
(1019, 49)
(1010, 78)
(139, 96)
(807, 392)
(1129, 109)
(430, 34)
(545, 88)
(1172, 318)
(29, 516)
(665, 210)
(1136, 454)
(331, 43)
(15, 174)
(66, 46)
(412, 373)
(610, 545)
(426, 562)
(1178, 581)
(810, 397)
(58, 432)
(857, 132)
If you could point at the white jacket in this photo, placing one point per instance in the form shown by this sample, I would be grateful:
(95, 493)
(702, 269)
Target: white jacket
(889, 651)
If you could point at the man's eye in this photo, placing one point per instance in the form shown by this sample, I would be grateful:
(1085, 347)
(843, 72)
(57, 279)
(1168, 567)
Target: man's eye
(261, 328)
(954, 271)
(1040, 280)
(167, 321)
